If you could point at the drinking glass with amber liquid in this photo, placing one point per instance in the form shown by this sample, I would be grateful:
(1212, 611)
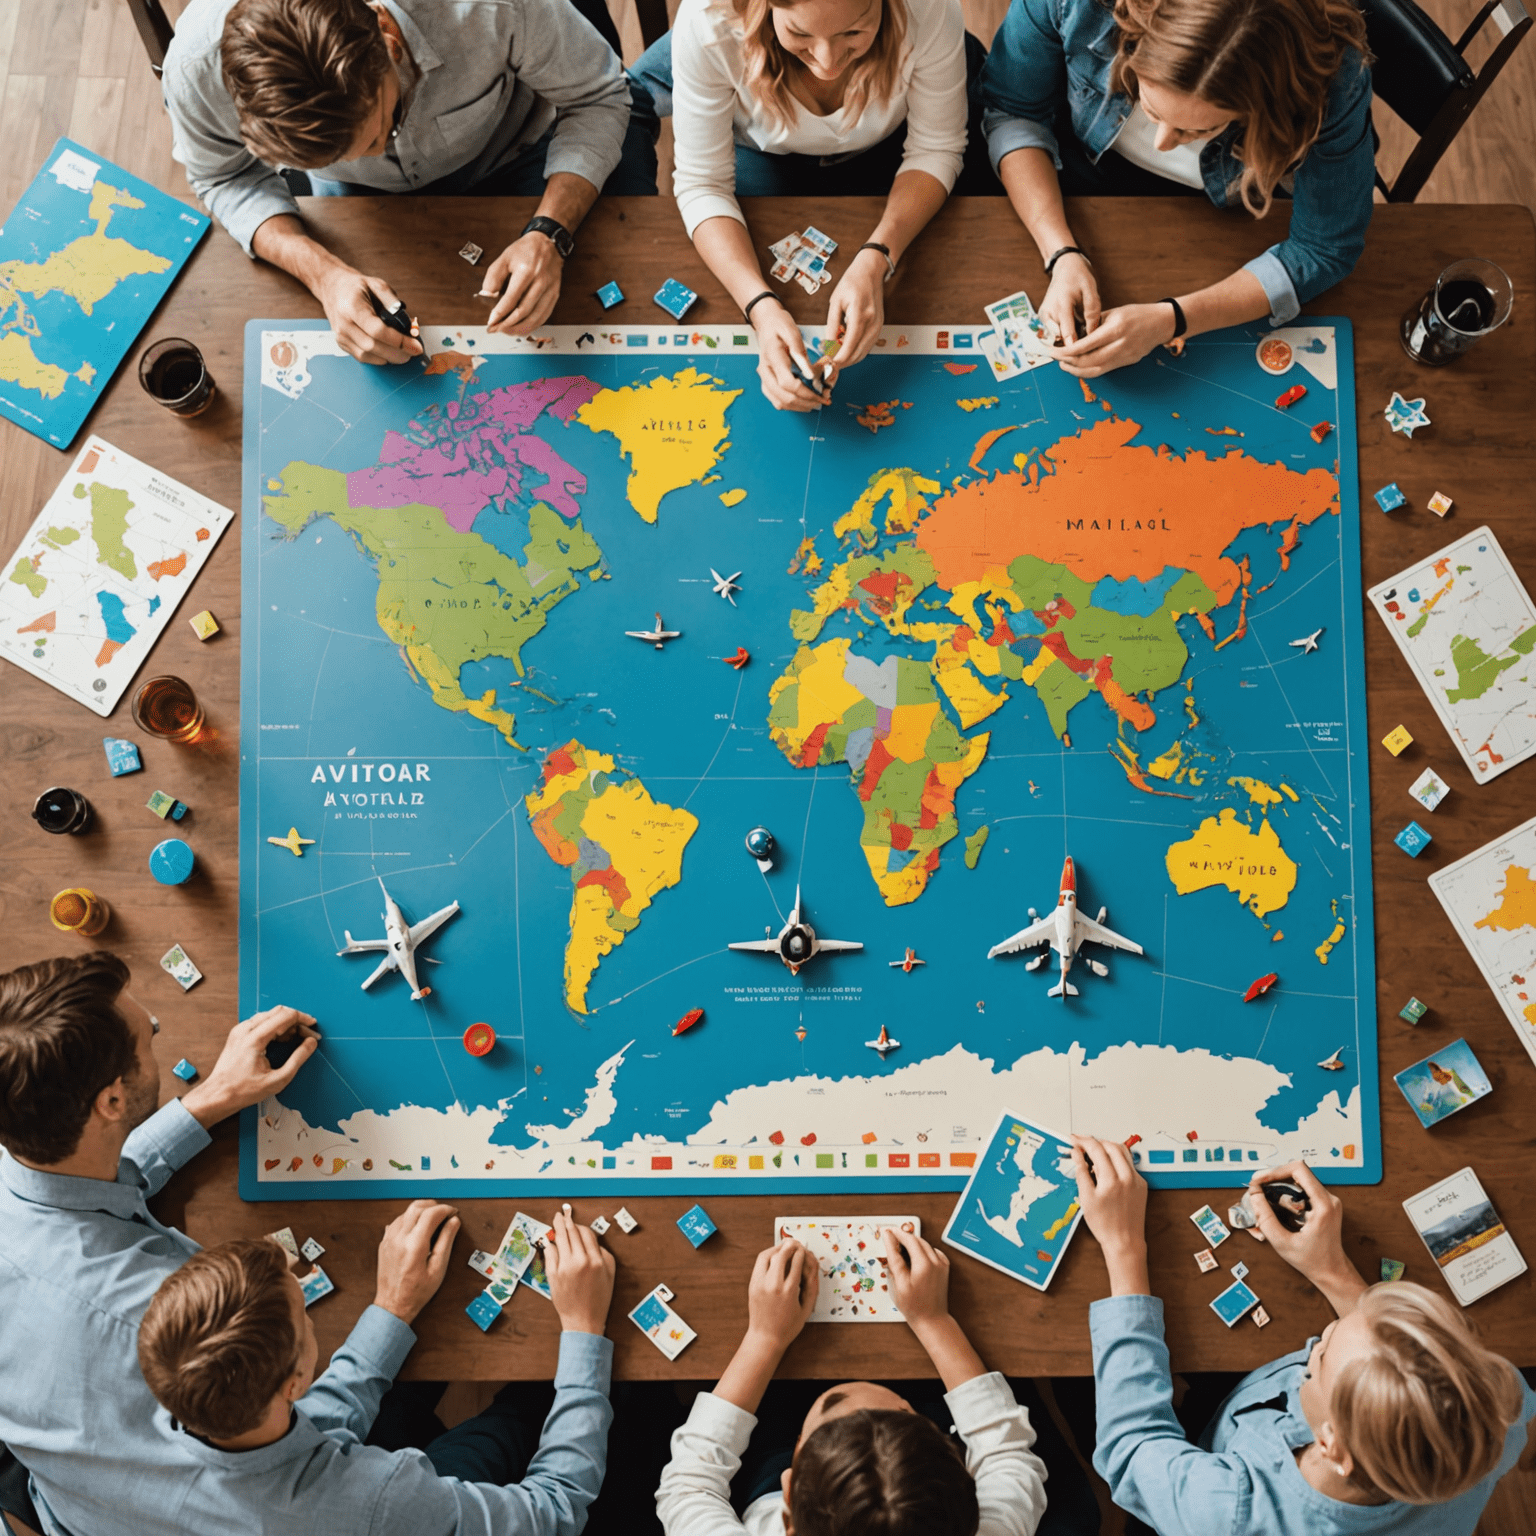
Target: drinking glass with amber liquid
(166, 707)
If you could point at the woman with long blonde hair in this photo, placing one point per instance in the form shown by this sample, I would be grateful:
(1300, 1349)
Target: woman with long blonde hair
(811, 98)
(1247, 101)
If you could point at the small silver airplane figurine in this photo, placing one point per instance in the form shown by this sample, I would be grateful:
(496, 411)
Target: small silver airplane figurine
(659, 635)
(796, 944)
(725, 585)
(399, 943)
(1308, 643)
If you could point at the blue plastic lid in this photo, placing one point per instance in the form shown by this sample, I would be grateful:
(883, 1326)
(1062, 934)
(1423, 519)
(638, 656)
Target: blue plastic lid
(171, 862)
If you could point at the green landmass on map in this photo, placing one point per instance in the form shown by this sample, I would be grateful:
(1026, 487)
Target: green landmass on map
(110, 507)
(974, 844)
(25, 574)
(446, 598)
(57, 538)
(1476, 671)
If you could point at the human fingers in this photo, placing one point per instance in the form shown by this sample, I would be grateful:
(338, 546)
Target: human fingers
(392, 339)
(896, 1249)
(517, 297)
(1089, 303)
(442, 1247)
(780, 384)
(273, 1023)
(1321, 1197)
(279, 1078)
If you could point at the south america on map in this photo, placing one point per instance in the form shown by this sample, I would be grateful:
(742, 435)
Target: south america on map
(546, 626)
(85, 256)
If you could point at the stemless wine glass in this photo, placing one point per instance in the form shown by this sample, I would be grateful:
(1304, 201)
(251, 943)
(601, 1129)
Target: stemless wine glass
(1470, 299)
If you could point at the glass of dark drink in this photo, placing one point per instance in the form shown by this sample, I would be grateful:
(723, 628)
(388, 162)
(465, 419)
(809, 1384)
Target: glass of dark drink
(1469, 299)
(173, 372)
(166, 707)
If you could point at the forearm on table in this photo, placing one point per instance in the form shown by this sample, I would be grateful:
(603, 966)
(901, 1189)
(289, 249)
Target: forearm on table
(726, 247)
(1232, 301)
(914, 199)
(1342, 1286)
(1030, 180)
(283, 242)
(746, 1378)
(1127, 1266)
(952, 1354)
(567, 199)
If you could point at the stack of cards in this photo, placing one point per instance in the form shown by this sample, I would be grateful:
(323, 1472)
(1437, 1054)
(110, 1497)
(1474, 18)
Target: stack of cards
(1465, 1236)
(803, 257)
(661, 1325)
(1020, 340)
(854, 1287)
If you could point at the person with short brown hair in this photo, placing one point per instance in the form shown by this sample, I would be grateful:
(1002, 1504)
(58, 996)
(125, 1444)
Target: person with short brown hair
(864, 1462)
(1395, 1421)
(229, 1351)
(433, 97)
(81, 1254)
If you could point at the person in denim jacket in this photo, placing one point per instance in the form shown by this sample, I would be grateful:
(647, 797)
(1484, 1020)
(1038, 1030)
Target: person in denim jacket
(1245, 100)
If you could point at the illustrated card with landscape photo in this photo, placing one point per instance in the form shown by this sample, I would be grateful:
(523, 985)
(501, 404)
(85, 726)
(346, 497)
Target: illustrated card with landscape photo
(1443, 1083)
(1465, 1236)
(851, 1253)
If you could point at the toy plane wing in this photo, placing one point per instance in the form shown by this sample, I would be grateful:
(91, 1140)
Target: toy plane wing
(1041, 932)
(1088, 929)
(837, 944)
(384, 966)
(430, 925)
(758, 946)
(361, 946)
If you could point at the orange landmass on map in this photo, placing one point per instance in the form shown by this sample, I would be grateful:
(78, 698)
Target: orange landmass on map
(172, 567)
(109, 649)
(450, 362)
(44, 625)
(959, 368)
(1517, 903)
(1113, 508)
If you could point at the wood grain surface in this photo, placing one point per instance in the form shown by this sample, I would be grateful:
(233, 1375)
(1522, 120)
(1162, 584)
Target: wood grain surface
(1480, 450)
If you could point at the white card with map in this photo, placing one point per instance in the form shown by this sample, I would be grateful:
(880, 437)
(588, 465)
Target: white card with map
(854, 1285)
(1019, 1210)
(1491, 898)
(1465, 622)
(101, 571)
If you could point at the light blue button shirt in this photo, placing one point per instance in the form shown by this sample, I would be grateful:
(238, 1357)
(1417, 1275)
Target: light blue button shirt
(80, 1260)
(1242, 1477)
(321, 1478)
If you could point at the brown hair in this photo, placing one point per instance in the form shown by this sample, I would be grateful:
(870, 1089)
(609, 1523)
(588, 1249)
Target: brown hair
(304, 75)
(770, 68)
(218, 1340)
(881, 1472)
(62, 1040)
(1426, 1414)
(1268, 62)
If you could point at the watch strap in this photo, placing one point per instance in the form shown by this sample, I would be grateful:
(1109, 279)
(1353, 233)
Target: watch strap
(1067, 250)
(752, 303)
(564, 241)
(1180, 324)
(884, 250)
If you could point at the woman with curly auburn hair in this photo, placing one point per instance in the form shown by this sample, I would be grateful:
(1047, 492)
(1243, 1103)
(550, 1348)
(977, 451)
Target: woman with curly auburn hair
(1245, 100)
(817, 98)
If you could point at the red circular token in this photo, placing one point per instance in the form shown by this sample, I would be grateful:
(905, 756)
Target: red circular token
(478, 1039)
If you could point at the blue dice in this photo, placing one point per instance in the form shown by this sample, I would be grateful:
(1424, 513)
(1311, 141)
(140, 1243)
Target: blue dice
(609, 295)
(184, 1070)
(676, 298)
(1390, 497)
(1413, 839)
(483, 1311)
(696, 1226)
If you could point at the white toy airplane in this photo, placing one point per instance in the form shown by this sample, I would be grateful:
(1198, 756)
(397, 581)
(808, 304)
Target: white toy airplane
(1065, 930)
(796, 944)
(884, 1043)
(1334, 1063)
(659, 635)
(1308, 643)
(399, 943)
(725, 585)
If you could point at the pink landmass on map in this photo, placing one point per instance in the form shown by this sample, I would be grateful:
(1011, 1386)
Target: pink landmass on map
(463, 456)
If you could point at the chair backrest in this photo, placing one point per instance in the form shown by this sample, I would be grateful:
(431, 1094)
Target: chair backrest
(1416, 67)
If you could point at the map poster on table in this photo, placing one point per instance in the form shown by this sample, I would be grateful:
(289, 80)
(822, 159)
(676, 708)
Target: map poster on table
(85, 257)
(1019, 1210)
(1491, 898)
(548, 640)
(1465, 622)
(90, 588)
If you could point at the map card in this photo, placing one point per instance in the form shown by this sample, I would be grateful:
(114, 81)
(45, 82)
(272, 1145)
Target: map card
(100, 572)
(935, 639)
(1491, 898)
(851, 1255)
(1465, 622)
(1019, 1210)
(85, 257)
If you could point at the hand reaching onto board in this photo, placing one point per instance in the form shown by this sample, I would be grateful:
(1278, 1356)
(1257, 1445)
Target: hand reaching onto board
(243, 1076)
(1317, 1250)
(920, 1282)
(1113, 1196)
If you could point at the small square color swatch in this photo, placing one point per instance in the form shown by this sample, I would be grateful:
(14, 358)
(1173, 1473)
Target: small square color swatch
(1260, 1317)
(1413, 839)
(122, 756)
(625, 1220)
(696, 1226)
(1234, 1303)
(609, 295)
(1413, 1010)
(1390, 497)
(1397, 740)
(315, 1285)
(1429, 789)
(483, 1311)
(311, 1249)
(204, 625)
(676, 298)
(184, 1070)
(1206, 1260)
(1393, 1269)
(1440, 503)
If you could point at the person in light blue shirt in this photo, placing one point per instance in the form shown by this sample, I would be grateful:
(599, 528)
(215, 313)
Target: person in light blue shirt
(1249, 102)
(1396, 1420)
(80, 1252)
(230, 1353)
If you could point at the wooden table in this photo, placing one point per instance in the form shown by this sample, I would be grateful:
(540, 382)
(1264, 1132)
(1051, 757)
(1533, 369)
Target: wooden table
(1480, 451)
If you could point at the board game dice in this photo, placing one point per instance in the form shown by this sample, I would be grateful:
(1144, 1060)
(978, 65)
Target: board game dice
(609, 295)
(1390, 497)
(600, 1224)
(625, 1220)
(1397, 740)
(676, 298)
(1440, 504)
(184, 1070)
(204, 625)
(122, 756)
(1413, 839)
(1260, 1317)
(1429, 789)
(1413, 1010)
(696, 1226)
(483, 1310)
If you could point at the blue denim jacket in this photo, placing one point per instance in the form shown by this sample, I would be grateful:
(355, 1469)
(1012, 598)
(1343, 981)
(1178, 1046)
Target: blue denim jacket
(1051, 55)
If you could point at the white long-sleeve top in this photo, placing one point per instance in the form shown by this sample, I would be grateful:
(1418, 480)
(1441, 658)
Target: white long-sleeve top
(713, 109)
(694, 1498)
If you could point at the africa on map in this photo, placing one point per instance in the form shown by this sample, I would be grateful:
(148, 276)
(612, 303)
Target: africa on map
(986, 631)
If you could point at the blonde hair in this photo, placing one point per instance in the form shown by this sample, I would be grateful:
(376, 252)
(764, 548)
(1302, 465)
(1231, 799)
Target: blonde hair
(1269, 63)
(1426, 1414)
(770, 67)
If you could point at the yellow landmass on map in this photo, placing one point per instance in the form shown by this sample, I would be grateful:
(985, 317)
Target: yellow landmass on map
(1062, 1222)
(621, 847)
(908, 492)
(19, 364)
(1517, 905)
(1225, 851)
(1340, 928)
(1258, 791)
(672, 430)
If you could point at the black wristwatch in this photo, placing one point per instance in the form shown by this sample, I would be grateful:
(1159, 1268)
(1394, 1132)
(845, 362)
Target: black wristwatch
(564, 241)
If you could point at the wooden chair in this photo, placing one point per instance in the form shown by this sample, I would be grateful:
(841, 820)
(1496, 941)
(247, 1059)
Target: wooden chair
(1426, 80)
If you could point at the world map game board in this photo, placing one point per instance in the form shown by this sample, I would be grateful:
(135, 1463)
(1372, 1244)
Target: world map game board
(936, 637)
(85, 257)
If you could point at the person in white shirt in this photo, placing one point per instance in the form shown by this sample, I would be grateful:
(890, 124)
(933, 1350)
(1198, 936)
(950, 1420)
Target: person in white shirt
(864, 1459)
(813, 98)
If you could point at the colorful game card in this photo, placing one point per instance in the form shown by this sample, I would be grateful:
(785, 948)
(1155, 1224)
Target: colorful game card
(1234, 1303)
(315, 1285)
(1465, 1236)
(1212, 1228)
(1443, 1083)
(661, 1325)
(285, 1240)
(518, 1260)
(851, 1254)
(178, 964)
